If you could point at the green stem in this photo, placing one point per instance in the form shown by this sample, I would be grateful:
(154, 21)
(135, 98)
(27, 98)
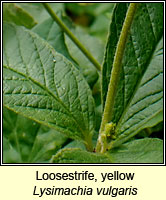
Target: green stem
(72, 36)
(88, 143)
(115, 73)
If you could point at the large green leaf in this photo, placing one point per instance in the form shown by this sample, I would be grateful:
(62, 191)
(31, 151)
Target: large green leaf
(43, 85)
(148, 150)
(146, 108)
(25, 141)
(14, 13)
(144, 35)
(76, 155)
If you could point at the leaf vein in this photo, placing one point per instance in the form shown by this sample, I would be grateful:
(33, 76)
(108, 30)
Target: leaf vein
(151, 79)
(140, 110)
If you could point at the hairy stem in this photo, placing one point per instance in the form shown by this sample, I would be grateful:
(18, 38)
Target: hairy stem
(115, 73)
(72, 36)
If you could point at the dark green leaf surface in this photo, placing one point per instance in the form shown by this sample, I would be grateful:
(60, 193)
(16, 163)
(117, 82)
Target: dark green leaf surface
(76, 155)
(43, 85)
(14, 13)
(145, 33)
(146, 108)
(25, 141)
(146, 150)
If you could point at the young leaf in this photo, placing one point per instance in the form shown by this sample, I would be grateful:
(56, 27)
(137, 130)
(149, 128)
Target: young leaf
(14, 13)
(147, 102)
(148, 150)
(76, 155)
(144, 35)
(43, 85)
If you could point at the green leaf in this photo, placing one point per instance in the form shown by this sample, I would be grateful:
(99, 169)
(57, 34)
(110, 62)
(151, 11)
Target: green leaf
(10, 154)
(146, 108)
(18, 136)
(148, 150)
(53, 34)
(91, 43)
(99, 28)
(94, 46)
(75, 144)
(76, 155)
(14, 13)
(144, 35)
(43, 85)
(25, 141)
(158, 119)
(47, 143)
(38, 11)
